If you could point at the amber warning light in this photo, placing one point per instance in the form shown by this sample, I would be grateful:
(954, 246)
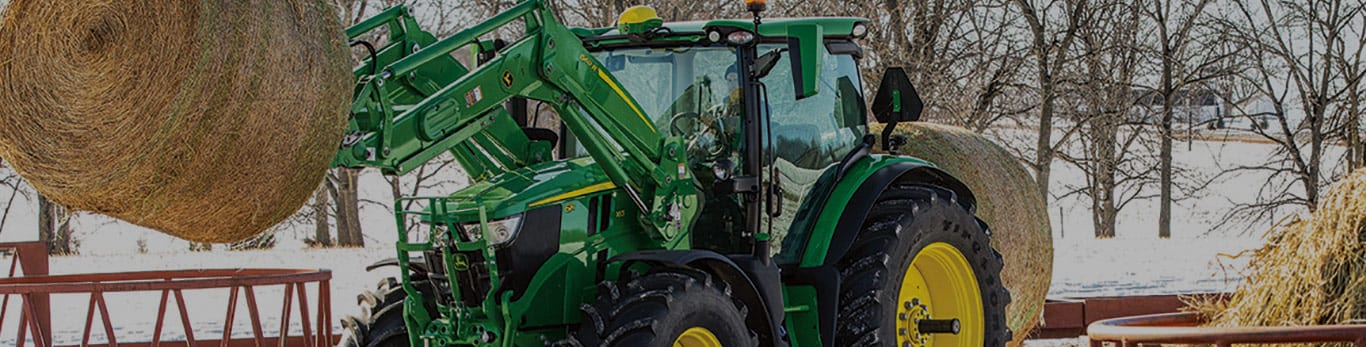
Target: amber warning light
(756, 5)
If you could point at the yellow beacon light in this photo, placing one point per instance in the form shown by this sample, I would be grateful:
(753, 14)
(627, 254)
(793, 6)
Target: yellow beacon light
(756, 5)
(638, 20)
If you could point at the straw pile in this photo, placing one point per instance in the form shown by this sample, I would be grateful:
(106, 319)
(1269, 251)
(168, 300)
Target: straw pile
(209, 120)
(1007, 199)
(1311, 272)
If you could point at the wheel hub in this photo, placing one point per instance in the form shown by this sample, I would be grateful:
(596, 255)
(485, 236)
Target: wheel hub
(697, 337)
(940, 302)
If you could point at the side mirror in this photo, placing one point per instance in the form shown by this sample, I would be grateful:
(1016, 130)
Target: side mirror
(897, 100)
(805, 44)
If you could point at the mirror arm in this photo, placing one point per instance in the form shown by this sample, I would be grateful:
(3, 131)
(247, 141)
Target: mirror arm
(887, 137)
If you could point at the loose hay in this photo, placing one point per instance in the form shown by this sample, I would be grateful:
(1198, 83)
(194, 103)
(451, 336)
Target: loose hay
(1311, 272)
(209, 120)
(1007, 199)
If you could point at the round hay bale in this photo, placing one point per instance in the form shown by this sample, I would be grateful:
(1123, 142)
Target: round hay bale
(209, 120)
(1310, 272)
(1007, 199)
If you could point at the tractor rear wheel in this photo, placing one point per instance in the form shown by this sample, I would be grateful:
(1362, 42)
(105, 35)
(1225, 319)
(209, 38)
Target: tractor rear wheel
(671, 307)
(381, 324)
(922, 272)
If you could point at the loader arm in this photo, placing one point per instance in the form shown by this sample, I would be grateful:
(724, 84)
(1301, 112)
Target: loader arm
(414, 101)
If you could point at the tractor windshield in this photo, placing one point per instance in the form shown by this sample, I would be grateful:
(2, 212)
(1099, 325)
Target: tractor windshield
(691, 91)
(670, 81)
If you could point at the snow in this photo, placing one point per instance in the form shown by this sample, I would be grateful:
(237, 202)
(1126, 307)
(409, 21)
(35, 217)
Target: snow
(1198, 257)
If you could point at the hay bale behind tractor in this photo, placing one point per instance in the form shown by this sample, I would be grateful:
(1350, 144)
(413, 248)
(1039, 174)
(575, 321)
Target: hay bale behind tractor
(1007, 199)
(1311, 272)
(209, 120)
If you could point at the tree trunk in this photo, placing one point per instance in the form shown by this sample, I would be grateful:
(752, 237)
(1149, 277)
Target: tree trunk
(1316, 140)
(53, 228)
(333, 183)
(348, 209)
(1106, 176)
(1164, 217)
(1354, 154)
(1357, 143)
(322, 233)
(1043, 156)
(396, 188)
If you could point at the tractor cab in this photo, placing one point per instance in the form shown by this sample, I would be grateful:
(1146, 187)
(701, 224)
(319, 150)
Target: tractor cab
(780, 106)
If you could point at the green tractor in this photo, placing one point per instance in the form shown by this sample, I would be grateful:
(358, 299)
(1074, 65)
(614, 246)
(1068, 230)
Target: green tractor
(699, 184)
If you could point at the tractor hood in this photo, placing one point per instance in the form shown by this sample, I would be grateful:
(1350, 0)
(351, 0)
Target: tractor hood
(527, 188)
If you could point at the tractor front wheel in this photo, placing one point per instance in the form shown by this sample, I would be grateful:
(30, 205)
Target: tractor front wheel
(922, 272)
(382, 322)
(670, 307)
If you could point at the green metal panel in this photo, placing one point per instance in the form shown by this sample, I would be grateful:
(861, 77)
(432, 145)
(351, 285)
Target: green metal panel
(823, 225)
(806, 50)
(771, 27)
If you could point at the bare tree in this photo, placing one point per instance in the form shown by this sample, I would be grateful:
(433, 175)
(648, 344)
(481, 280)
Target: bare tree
(1299, 59)
(1053, 26)
(1098, 91)
(963, 55)
(1351, 64)
(1182, 64)
(1356, 148)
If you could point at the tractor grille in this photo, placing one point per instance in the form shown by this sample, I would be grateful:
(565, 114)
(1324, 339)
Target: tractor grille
(474, 281)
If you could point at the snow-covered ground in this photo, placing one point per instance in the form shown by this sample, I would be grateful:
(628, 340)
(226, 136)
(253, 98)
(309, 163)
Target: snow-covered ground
(1135, 262)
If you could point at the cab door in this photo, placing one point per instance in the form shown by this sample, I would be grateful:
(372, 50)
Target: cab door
(806, 137)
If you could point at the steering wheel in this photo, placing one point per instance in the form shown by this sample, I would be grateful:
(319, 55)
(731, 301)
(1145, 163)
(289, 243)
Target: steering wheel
(685, 115)
(709, 139)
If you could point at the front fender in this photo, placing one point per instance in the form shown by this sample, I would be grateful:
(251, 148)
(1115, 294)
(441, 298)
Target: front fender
(754, 282)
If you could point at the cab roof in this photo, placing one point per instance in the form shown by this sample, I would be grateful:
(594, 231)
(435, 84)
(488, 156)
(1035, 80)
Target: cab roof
(832, 27)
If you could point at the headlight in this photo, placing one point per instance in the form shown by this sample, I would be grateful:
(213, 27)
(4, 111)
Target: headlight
(500, 231)
(740, 37)
(860, 30)
(714, 36)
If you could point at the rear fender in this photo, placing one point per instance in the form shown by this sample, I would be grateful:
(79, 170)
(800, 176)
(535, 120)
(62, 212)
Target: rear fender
(837, 224)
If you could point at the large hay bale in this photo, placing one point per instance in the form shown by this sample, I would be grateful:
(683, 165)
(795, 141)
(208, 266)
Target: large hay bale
(1310, 272)
(209, 120)
(1007, 199)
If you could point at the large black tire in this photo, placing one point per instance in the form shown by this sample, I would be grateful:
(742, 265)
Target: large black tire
(656, 309)
(381, 323)
(905, 220)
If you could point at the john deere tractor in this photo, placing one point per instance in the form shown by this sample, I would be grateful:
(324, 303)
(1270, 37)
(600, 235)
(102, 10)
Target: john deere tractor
(660, 184)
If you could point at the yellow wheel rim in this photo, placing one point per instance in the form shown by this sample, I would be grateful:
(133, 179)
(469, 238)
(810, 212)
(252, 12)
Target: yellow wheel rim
(697, 337)
(939, 284)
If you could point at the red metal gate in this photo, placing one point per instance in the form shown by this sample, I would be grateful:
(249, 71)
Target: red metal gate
(35, 289)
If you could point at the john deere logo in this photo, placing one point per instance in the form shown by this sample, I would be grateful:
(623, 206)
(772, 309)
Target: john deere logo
(460, 263)
(507, 79)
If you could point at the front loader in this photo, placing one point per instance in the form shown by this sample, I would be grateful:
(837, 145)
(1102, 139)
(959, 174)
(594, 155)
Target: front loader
(699, 184)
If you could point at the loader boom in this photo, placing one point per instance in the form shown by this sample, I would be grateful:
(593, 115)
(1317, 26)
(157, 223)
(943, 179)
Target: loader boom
(405, 115)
